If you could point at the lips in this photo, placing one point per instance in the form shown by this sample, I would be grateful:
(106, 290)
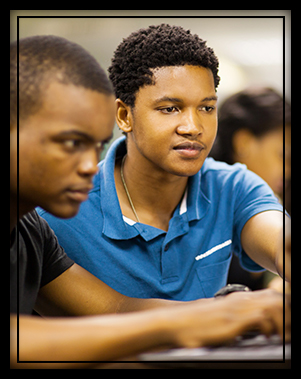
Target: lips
(189, 149)
(79, 194)
(189, 146)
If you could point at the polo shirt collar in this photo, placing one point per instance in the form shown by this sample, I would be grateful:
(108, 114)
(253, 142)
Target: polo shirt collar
(197, 203)
(113, 224)
(194, 205)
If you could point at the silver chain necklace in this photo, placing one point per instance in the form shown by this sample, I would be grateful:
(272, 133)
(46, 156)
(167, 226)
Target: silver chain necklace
(126, 189)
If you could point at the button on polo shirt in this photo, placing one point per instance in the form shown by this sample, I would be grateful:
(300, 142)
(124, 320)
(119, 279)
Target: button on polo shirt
(189, 261)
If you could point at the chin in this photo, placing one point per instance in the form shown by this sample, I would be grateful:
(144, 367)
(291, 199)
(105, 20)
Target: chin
(188, 169)
(187, 173)
(63, 211)
(184, 172)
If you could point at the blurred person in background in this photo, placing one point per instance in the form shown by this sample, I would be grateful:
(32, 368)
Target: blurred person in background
(251, 132)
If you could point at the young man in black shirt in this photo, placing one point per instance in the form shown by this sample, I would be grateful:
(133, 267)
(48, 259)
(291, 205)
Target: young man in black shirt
(65, 107)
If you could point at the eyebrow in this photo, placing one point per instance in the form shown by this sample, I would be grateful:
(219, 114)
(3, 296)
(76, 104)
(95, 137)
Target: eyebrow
(83, 135)
(210, 98)
(170, 99)
(177, 100)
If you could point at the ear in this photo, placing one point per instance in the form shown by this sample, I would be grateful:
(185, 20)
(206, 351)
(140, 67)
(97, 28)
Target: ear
(124, 116)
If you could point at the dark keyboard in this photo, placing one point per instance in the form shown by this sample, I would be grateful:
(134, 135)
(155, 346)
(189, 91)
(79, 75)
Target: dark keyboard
(244, 348)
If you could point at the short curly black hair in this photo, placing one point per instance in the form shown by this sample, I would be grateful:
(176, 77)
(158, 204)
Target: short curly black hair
(156, 46)
(46, 58)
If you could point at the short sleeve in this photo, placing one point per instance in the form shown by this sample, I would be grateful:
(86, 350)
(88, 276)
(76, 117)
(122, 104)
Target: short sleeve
(253, 196)
(55, 260)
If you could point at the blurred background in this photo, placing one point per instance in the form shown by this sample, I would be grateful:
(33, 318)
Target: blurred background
(250, 50)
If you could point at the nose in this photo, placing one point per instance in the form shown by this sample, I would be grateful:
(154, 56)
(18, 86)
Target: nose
(88, 164)
(190, 125)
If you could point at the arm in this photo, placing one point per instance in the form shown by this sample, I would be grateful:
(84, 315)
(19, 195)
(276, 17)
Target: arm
(95, 338)
(260, 239)
(79, 339)
(109, 337)
(76, 292)
(287, 251)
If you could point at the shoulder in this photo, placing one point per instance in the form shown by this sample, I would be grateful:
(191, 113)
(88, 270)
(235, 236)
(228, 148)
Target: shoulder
(236, 174)
(218, 168)
(34, 226)
(53, 258)
(38, 238)
(38, 230)
(237, 185)
(30, 220)
(220, 174)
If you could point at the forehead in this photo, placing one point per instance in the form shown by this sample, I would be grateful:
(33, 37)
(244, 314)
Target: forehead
(190, 83)
(65, 106)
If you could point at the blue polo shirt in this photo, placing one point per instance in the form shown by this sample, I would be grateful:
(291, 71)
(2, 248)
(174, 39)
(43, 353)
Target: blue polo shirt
(190, 260)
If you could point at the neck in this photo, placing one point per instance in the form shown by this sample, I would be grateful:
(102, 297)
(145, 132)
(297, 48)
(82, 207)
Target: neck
(155, 195)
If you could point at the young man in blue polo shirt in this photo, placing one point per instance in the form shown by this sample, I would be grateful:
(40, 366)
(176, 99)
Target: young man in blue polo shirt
(162, 220)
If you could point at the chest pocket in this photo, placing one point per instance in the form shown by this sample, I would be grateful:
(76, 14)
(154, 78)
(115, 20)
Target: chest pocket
(213, 277)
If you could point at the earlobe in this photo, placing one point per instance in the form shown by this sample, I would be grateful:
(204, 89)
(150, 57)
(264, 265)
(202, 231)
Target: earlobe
(123, 116)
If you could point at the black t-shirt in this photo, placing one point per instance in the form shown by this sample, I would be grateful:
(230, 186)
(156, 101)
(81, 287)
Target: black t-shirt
(41, 260)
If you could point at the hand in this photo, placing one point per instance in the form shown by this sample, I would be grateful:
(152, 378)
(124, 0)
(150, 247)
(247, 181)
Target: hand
(223, 319)
(287, 252)
(270, 302)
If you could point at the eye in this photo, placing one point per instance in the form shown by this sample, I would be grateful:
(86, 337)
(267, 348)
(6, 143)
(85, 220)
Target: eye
(99, 145)
(72, 143)
(167, 110)
(207, 108)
